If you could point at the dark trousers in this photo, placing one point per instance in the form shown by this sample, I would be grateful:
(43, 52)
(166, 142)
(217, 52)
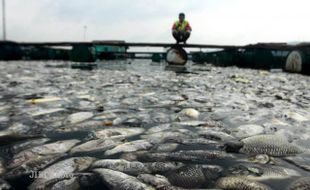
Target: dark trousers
(181, 36)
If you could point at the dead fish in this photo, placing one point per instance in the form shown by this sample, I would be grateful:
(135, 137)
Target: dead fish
(212, 134)
(187, 155)
(187, 114)
(166, 147)
(162, 136)
(244, 131)
(190, 124)
(259, 172)
(130, 147)
(33, 165)
(269, 144)
(46, 111)
(159, 167)
(28, 144)
(300, 184)
(68, 184)
(301, 161)
(295, 116)
(132, 168)
(156, 181)
(5, 185)
(193, 176)
(62, 169)
(158, 128)
(37, 152)
(196, 141)
(97, 145)
(78, 117)
(118, 132)
(118, 180)
(240, 184)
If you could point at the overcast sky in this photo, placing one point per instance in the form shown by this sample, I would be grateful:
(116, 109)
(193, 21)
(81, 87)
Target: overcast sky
(213, 21)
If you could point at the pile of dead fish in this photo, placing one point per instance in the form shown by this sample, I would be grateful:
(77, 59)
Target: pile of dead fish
(142, 127)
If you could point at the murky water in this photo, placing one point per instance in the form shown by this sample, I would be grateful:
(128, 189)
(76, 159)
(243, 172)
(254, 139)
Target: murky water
(169, 104)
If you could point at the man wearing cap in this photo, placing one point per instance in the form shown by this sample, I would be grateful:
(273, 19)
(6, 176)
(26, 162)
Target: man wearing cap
(181, 29)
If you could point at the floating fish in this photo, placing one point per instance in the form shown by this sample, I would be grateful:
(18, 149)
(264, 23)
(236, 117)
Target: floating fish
(130, 147)
(37, 152)
(193, 176)
(300, 184)
(156, 181)
(118, 132)
(260, 172)
(118, 180)
(36, 164)
(62, 169)
(269, 144)
(132, 168)
(78, 117)
(187, 155)
(97, 145)
(239, 183)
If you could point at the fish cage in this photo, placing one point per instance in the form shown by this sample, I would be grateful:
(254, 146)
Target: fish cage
(10, 51)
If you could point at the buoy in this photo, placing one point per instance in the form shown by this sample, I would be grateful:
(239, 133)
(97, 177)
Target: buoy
(176, 56)
(294, 62)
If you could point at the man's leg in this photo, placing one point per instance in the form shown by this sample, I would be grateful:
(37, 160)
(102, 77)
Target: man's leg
(186, 36)
(176, 36)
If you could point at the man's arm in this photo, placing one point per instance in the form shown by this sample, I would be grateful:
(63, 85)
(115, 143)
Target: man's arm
(174, 28)
(188, 27)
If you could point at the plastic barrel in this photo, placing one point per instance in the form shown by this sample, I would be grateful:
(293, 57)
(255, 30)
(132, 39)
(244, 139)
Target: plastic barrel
(176, 56)
(298, 61)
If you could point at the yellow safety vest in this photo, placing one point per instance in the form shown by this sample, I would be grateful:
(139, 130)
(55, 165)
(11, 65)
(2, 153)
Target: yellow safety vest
(181, 27)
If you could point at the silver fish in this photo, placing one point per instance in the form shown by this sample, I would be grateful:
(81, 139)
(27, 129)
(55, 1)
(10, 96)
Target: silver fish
(301, 160)
(156, 181)
(28, 144)
(132, 168)
(193, 176)
(130, 147)
(269, 144)
(240, 184)
(135, 167)
(259, 172)
(62, 169)
(96, 145)
(187, 155)
(300, 184)
(33, 165)
(37, 152)
(78, 117)
(118, 132)
(67, 184)
(121, 181)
